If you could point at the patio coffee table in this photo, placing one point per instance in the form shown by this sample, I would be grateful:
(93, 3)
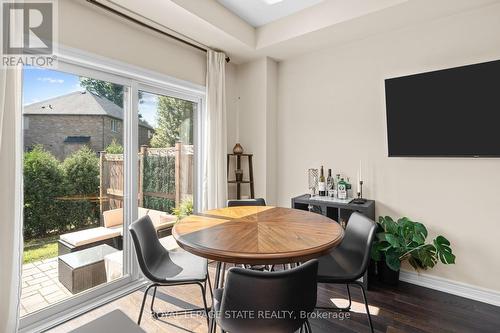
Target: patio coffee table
(84, 269)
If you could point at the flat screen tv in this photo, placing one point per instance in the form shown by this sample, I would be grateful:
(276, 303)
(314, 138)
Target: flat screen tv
(447, 113)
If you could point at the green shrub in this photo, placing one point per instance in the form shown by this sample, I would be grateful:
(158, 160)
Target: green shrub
(81, 171)
(114, 148)
(43, 184)
(161, 204)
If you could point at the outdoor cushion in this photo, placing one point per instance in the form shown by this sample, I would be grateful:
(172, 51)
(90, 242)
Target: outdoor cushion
(88, 236)
(142, 211)
(113, 217)
(114, 265)
(160, 219)
(169, 243)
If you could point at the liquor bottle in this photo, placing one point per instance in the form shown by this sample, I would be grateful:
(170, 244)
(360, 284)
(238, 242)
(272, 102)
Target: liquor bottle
(322, 184)
(342, 189)
(337, 181)
(329, 183)
(349, 188)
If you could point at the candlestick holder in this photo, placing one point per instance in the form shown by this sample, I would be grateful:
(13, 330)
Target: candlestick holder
(359, 200)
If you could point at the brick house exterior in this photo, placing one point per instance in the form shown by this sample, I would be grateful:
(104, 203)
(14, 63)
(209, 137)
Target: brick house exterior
(66, 123)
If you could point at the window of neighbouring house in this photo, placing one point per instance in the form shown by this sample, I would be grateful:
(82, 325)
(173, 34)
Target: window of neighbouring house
(114, 125)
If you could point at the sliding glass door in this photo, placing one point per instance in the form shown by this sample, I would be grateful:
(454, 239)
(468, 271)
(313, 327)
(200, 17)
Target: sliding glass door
(101, 149)
(73, 189)
(166, 155)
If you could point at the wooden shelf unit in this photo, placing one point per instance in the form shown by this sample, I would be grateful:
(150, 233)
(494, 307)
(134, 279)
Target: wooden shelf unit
(250, 173)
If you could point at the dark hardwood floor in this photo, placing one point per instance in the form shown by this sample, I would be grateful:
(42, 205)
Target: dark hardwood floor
(406, 308)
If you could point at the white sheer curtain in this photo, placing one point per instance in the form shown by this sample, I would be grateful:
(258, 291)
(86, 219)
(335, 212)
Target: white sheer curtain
(214, 192)
(10, 210)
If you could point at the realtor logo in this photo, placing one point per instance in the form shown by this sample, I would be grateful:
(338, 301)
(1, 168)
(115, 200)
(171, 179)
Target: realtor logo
(28, 30)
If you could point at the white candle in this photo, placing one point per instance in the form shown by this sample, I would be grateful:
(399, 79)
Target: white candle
(359, 177)
(359, 188)
(238, 120)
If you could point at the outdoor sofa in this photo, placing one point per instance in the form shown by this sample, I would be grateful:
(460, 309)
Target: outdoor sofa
(111, 233)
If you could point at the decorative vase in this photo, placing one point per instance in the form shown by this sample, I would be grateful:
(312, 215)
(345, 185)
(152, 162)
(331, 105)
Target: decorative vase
(239, 175)
(238, 149)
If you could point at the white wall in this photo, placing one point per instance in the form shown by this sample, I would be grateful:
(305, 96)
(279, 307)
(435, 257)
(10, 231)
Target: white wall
(331, 111)
(257, 107)
(87, 27)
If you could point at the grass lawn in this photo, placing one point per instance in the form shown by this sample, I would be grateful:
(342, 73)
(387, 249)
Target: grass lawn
(39, 249)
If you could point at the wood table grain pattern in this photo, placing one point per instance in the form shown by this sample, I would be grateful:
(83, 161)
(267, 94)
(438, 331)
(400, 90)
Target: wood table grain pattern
(258, 235)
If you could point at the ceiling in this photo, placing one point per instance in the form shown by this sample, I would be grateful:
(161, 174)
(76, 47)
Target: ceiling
(327, 23)
(260, 12)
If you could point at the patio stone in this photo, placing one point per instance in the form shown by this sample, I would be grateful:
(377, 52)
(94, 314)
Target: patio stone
(30, 271)
(34, 302)
(49, 290)
(26, 294)
(29, 289)
(38, 280)
(46, 267)
(47, 283)
(56, 297)
(41, 286)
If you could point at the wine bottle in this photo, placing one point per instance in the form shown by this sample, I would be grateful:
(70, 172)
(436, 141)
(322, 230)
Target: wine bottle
(342, 189)
(321, 184)
(337, 181)
(329, 183)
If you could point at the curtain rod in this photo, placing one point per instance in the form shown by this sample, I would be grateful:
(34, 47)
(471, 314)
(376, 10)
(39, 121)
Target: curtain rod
(142, 24)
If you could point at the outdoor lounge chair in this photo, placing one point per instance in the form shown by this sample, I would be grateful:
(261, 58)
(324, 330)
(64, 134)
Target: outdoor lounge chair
(112, 231)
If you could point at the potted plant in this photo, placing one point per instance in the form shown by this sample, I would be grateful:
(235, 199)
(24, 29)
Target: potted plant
(185, 209)
(405, 240)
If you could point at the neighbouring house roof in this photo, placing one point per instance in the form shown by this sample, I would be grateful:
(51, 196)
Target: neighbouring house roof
(77, 139)
(79, 103)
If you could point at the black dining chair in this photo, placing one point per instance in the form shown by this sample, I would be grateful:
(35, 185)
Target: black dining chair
(246, 202)
(167, 268)
(349, 261)
(251, 300)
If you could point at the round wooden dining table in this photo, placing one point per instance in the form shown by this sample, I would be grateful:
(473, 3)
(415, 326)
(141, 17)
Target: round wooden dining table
(256, 235)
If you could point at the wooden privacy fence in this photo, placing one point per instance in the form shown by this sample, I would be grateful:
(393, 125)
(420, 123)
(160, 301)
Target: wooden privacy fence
(165, 174)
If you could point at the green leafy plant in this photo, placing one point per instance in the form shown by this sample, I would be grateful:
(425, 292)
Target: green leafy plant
(43, 183)
(184, 209)
(405, 240)
(114, 147)
(81, 171)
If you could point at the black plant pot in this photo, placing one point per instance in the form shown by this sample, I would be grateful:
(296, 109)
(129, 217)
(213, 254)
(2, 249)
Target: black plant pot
(386, 275)
(373, 276)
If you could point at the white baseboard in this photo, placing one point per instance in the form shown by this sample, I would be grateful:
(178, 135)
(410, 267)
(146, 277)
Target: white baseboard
(452, 287)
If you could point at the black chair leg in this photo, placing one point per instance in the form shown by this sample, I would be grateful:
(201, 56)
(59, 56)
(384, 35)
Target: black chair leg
(365, 299)
(346, 309)
(349, 294)
(210, 288)
(153, 300)
(203, 294)
(308, 326)
(144, 301)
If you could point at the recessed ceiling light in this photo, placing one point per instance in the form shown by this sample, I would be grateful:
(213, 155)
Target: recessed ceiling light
(271, 2)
